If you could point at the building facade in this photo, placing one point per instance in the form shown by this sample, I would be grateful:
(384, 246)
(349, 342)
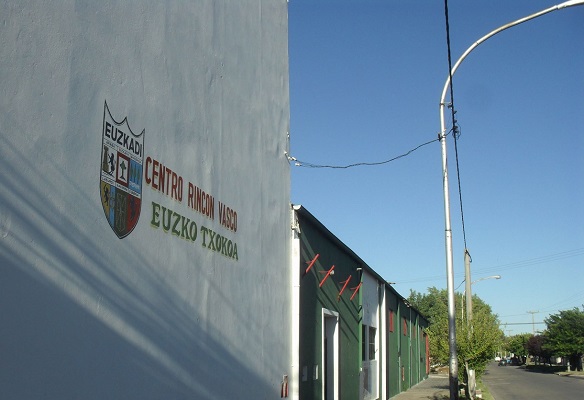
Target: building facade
(357, 337)
(144, 199)
(145, 241)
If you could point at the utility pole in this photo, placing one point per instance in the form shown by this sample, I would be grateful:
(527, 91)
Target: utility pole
(471, 382)
(533, 319)
(471, 387)
(467, 261)
(453, 369)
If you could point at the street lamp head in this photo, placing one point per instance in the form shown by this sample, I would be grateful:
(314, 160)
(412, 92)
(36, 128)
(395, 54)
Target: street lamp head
(570, 3)
(485, 278)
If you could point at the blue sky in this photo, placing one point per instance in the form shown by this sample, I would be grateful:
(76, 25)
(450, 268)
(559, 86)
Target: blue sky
(365, 83)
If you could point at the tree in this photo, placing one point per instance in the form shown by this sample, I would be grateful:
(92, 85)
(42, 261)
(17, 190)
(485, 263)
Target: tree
(517, 345)
(476, 343)
(565, 336)
(434, 307)
(536, 347)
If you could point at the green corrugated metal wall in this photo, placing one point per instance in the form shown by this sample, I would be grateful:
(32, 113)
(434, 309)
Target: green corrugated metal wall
(313, 299)
(405, 346)
(393, 337)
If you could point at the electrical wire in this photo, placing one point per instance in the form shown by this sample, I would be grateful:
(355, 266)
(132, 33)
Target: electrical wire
(533, 261)
(305, 164)
(456, 132)
(554, 307)
(504, 267)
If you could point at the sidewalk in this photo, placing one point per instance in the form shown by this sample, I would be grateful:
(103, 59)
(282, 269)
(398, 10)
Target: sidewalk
(436, 387)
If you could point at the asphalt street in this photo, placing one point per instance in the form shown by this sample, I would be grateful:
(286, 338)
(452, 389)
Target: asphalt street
(511, 382)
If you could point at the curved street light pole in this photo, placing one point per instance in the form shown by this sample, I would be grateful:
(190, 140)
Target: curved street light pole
(453, 368)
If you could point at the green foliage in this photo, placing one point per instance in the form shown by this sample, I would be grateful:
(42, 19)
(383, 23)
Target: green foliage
(518, 344)
(565, 334)
(476, 343)
(536, 347)
(434, 307)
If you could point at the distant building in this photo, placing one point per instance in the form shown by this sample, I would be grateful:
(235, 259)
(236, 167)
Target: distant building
(358, 338)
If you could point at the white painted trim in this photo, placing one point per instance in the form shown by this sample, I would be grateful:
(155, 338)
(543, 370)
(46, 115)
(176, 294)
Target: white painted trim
(330, 314)
(295, 265)
(382, 334)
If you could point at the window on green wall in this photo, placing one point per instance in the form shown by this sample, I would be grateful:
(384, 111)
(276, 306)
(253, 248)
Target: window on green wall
(368, 334)
(372, 332)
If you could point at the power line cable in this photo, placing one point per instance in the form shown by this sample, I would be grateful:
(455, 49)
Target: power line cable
(306, 164)
(570, 299)
(455, 130)
(547, 310)
(533, 261)
(504, 267)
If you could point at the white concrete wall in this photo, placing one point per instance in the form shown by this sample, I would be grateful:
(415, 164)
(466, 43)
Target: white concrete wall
(370, 293)
(371, 299)
(84, 314)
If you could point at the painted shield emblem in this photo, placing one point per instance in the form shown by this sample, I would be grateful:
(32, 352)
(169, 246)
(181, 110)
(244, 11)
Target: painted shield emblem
(122, 155)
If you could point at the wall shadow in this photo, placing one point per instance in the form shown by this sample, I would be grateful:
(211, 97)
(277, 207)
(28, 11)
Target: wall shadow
(82, 318)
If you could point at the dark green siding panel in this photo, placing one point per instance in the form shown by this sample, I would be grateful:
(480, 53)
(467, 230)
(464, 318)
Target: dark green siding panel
(404, 346)
(415, 351)
(313, 299)
(393, 346)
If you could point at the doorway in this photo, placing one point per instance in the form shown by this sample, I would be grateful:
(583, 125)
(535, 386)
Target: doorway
(330, 355)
